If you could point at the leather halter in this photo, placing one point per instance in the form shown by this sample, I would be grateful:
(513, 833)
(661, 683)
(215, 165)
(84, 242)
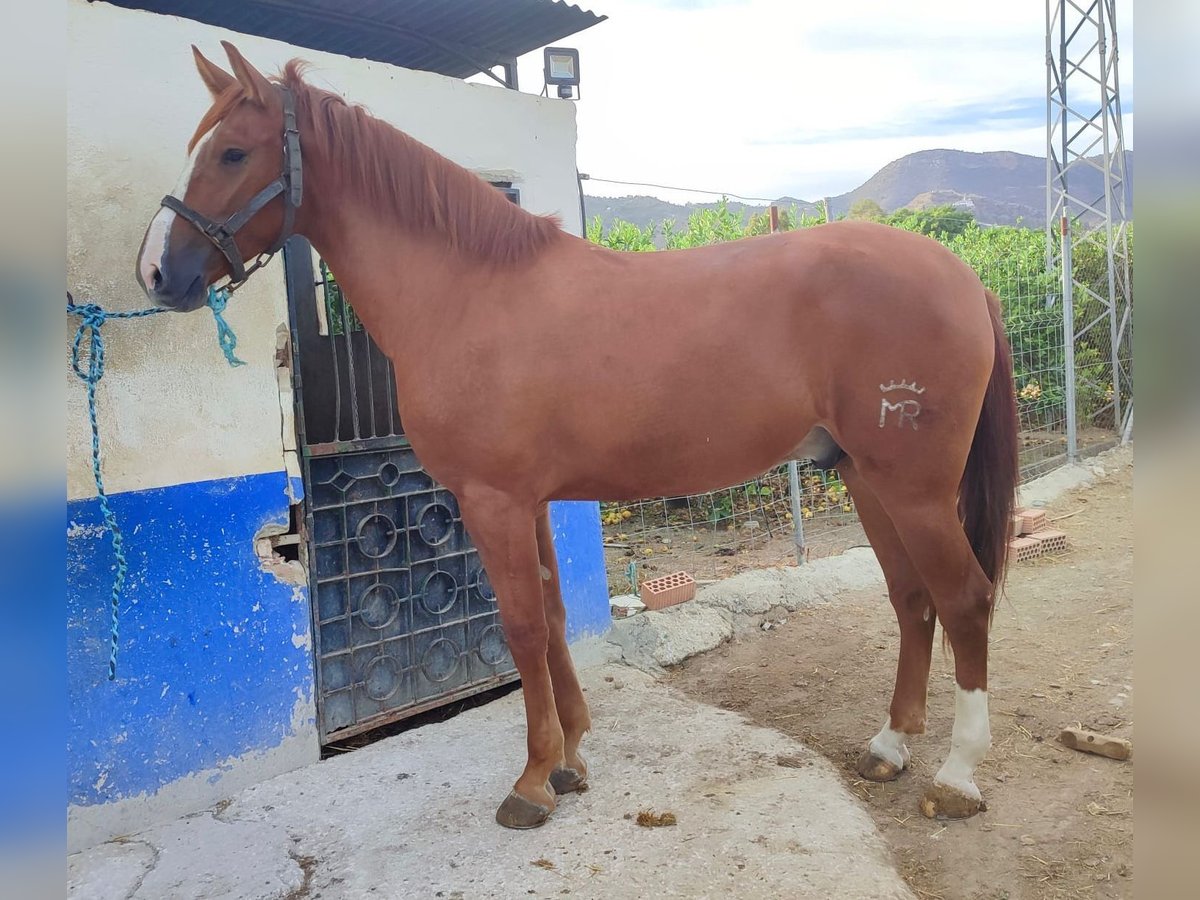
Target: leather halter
(290, 184)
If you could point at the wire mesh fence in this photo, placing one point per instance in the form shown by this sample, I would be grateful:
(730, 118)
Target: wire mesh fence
(1102, 313)
(718, 534)
(1033, 321)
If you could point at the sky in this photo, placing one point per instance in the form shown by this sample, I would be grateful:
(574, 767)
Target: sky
(771, 98)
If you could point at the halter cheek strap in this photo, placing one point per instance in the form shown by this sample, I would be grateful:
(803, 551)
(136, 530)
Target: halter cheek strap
(290, 184)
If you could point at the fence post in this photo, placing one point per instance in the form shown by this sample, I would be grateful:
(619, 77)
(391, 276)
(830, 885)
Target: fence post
(797, 518)
(793, 466)
(1069, 339)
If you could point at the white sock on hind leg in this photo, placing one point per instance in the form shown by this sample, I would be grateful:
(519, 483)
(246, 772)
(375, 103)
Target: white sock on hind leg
(969, 742)
(889, 745)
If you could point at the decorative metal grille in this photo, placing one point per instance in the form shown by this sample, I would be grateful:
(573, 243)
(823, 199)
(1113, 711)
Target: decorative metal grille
(404, 613)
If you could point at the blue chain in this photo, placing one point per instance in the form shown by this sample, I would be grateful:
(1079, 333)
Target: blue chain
(92, 318)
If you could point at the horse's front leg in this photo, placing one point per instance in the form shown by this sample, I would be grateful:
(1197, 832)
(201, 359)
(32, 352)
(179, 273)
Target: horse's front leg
(572, 708)
(504, 531)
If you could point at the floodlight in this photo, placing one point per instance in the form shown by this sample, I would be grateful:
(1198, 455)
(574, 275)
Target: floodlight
(562, 70)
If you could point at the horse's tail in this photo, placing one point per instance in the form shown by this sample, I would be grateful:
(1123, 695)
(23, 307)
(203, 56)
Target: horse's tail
(988, 494)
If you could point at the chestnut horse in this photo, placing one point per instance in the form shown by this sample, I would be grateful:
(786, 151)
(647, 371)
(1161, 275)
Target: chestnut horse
(871, 349)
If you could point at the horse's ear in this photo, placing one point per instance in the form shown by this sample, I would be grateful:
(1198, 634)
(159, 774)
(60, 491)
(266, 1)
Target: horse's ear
(214, 77)
(257, 87)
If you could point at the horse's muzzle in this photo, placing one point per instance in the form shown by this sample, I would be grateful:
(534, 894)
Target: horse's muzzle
(177, 284)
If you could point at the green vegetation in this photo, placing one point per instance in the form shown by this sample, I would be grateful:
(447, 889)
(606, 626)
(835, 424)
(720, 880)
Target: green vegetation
(867, 209)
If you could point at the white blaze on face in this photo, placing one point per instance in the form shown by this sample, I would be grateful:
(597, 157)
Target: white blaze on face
(889, 745)
(158, 235)
(969, 742)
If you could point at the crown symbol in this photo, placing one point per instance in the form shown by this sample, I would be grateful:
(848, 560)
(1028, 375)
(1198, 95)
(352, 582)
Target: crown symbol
(902, 386)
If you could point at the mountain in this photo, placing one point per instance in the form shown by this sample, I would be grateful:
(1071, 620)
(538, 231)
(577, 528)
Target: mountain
(1000, 188)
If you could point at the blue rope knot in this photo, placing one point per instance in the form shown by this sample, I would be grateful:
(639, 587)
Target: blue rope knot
(217, 299)
(92, 318)
(89, 343)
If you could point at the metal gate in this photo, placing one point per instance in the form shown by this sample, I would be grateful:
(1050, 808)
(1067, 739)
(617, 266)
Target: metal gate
(404, 618)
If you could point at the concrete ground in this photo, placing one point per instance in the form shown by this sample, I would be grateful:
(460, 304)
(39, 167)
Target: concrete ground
(759, 815)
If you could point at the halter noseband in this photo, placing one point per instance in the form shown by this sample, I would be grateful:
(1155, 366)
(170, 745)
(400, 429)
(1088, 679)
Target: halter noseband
(290, 184)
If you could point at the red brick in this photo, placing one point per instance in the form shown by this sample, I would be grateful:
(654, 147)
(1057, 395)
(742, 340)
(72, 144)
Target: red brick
(1033, 520)
(1051, 541)
(1022, 549)
(678, 587)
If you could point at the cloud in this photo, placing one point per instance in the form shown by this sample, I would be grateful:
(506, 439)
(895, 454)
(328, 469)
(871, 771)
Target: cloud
(928, 121)
(771, 97)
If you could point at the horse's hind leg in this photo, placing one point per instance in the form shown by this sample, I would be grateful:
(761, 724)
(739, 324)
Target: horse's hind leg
(573, 715)
(923, 507)
(505, 532)
(887, 754)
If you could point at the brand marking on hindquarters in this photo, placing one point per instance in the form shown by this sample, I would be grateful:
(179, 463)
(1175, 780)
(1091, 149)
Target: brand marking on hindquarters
(907, 410)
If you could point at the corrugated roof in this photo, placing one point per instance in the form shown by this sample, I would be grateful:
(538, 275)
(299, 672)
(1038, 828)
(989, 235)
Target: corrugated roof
(458, 38)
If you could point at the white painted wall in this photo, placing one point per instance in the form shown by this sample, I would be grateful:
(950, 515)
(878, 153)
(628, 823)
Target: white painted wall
(171, 410)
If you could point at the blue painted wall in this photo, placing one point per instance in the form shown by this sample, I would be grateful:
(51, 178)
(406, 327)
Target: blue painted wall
(579, 545)
(215, 652)
(31, 674)
(208, 668)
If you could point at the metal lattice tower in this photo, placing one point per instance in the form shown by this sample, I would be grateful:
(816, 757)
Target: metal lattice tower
(1086, 210)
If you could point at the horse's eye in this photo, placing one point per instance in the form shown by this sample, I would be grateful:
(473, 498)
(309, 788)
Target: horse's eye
(233, 155)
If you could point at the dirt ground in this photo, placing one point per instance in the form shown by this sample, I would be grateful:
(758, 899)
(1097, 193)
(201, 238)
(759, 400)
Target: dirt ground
(712, 555)
(1059, 822)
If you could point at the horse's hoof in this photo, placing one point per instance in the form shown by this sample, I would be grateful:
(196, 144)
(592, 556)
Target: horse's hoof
(517, 812)
(874, 768)
(944, 802)
(566, 780)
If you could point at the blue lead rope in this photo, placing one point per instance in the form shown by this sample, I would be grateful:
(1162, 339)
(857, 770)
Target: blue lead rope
(90, 339)
(92, 318)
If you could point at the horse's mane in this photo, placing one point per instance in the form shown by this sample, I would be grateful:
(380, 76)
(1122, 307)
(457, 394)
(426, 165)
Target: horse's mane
(402, 177)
